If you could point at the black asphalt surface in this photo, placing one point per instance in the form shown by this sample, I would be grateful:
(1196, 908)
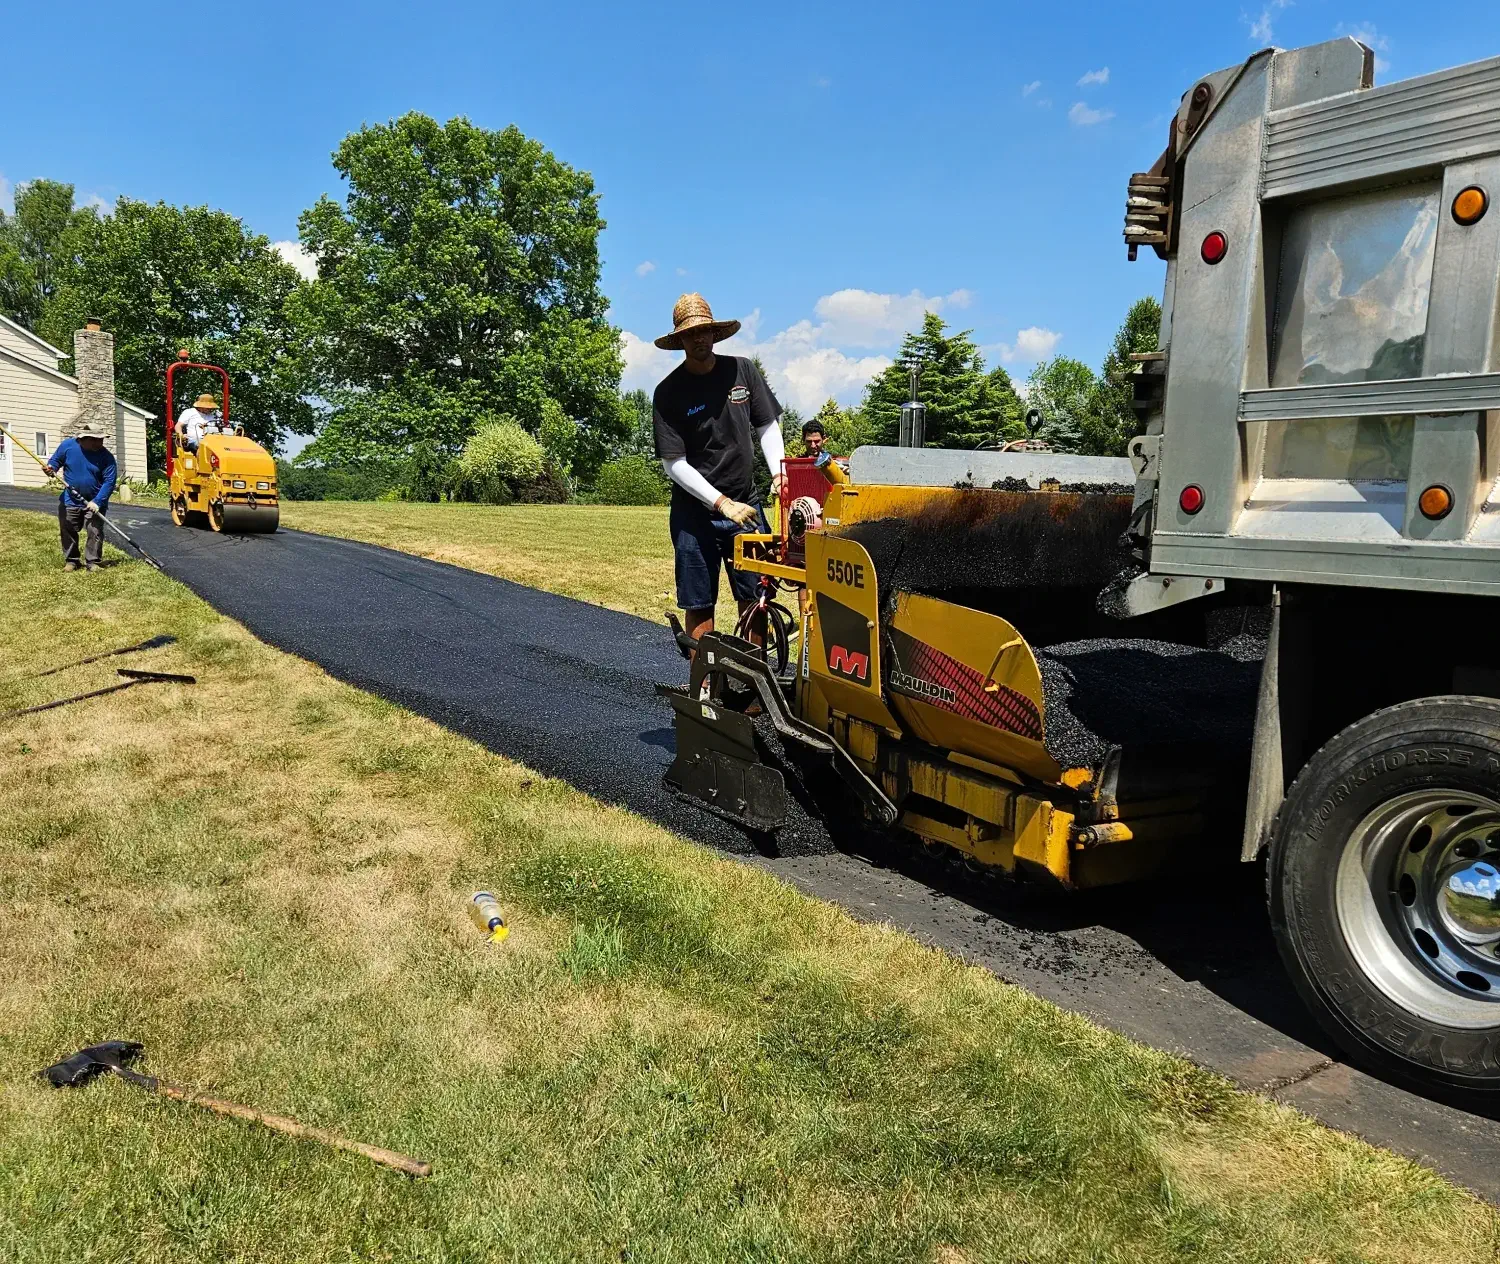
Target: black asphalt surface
(568, 688)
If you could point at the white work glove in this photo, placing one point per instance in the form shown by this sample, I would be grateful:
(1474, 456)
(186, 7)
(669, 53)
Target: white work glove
(92, 506)
(738, 512)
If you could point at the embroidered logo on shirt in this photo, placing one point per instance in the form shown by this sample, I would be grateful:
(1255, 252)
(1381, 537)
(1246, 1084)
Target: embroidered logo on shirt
(740, 395)
(697, 408)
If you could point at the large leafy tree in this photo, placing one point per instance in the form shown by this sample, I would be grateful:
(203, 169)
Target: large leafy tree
(1063, 389)
(167, 277)
(966, 406)
(458, 282)
(37, 244)
(1110, 423)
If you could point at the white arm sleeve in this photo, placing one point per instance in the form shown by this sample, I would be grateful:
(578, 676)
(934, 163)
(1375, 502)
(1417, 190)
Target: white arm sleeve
(772, 445)
(692, 482)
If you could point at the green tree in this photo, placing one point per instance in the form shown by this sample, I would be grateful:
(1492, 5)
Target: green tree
(167, 277)
(843, 428)
(639, 438)
(458, 279)
(966, 406)
(1063, 389)
(1110, 423)
(36, 248)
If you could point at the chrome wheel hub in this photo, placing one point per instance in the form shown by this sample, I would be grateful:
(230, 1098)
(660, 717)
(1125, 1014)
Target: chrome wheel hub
(1418, 899)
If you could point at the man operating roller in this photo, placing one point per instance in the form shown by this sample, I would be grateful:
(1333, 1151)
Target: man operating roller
(711, 412)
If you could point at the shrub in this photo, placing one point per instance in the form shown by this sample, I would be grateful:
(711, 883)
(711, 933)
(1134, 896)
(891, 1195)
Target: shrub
(631, 480)
(559, 435)
(499, 459)
(551, 487)
(428, 471)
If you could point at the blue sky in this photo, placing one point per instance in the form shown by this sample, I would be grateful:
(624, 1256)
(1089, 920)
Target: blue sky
(823, 172)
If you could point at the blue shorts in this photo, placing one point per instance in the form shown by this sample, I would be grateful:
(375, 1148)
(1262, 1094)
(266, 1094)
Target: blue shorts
(701, 542)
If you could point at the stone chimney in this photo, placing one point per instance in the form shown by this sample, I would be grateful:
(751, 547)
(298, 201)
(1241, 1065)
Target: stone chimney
(94, 367)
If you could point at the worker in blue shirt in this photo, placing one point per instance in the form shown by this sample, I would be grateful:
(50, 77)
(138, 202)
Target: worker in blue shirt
(87, 469)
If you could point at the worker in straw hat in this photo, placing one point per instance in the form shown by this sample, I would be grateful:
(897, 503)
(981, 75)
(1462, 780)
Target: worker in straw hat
(195, 422)
(709, 414)
(88, 473)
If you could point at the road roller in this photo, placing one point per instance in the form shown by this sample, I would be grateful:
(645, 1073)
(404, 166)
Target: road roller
(230, 481)
(1265, 634)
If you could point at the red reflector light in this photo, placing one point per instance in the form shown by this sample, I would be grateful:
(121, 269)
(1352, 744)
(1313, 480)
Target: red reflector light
(1215, 247)
(1191, 500)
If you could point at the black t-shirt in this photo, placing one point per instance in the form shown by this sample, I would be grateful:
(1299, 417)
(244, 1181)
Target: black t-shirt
(711, 419)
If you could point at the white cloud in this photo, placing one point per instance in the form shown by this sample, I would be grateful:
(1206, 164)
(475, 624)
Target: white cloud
(1372, 39)
(1032, 344)
(645, 363)
(1081, 116)
(1260, 28)
(682, 272)
(1095, 76)
(1031, 87)
(645, 268)
(7, 193)
(822, 81)
(94, 202)
(861, 318)
(292, 252)
(811, 360)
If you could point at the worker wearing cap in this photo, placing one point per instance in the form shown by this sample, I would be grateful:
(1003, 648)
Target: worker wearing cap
(88, 472)
(709, 413)
(195, 422)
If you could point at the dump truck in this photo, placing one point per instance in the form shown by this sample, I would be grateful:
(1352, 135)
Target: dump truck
(1265, 632)
(230, 481)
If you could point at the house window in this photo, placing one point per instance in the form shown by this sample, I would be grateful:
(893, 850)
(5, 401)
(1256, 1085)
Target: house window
(41, 443)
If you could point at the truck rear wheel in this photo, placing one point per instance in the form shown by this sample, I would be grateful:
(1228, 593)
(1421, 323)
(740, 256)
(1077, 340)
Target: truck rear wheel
(1384, 891)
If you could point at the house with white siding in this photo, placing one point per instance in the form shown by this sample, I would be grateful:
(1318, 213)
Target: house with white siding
(39, 402)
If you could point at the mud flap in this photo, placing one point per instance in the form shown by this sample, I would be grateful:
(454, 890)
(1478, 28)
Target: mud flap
(718, 765)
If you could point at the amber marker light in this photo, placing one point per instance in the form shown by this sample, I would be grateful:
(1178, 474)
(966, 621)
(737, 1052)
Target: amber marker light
(1435, 502)
(1470, 205)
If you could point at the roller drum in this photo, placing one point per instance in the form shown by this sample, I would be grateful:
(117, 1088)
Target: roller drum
(246, 519)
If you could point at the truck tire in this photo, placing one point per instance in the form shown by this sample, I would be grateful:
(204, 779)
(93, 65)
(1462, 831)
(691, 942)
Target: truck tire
(1384, 890)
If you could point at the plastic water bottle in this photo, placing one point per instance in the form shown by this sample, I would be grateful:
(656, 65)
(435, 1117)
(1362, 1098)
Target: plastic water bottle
(484, 908)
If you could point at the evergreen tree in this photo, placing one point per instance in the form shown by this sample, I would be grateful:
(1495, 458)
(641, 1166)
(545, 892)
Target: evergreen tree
(966, 406)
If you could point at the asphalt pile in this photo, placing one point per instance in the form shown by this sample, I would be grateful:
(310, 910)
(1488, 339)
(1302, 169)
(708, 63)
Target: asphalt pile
(1145, 697)
(999, 540)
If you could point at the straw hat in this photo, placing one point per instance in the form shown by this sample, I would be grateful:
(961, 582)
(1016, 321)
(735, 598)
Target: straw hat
(693, 312)
(206, 402)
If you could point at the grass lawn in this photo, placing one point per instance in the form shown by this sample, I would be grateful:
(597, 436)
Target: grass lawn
(673, 1057)
(612, 555)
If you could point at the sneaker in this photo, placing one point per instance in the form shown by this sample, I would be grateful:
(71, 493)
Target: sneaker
(70, 566)
(92, 566)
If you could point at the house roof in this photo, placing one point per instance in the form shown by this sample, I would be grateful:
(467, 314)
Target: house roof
(16, 358)
(31, 337)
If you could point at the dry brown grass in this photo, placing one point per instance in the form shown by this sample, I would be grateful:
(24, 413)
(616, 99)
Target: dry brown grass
(673, 1055)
